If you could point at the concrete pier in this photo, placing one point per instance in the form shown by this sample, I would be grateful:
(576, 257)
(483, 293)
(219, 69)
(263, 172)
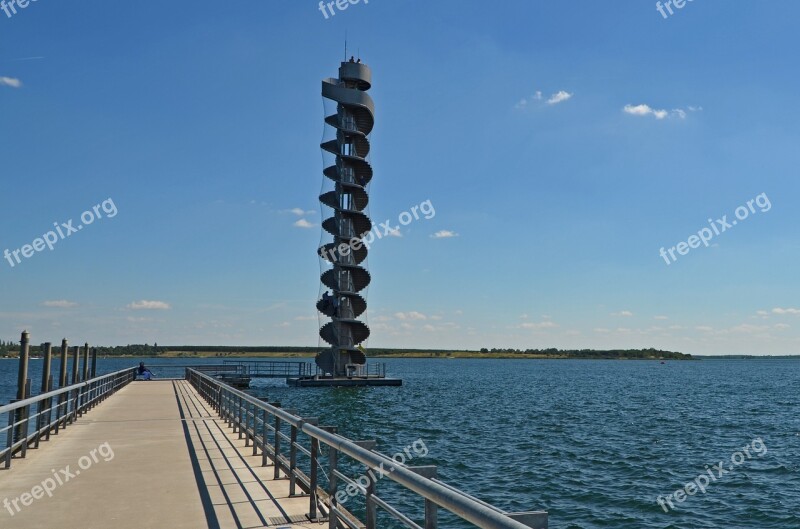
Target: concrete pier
(153, 456)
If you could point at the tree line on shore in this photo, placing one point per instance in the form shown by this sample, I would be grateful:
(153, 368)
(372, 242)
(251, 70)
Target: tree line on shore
(8, 348)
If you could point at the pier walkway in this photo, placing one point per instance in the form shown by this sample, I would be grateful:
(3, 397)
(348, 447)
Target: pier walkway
(172, 463)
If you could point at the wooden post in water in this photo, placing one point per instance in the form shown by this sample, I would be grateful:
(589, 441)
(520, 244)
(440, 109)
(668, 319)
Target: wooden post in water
(48, 358)
(22, 386)
(94, 362)
(75, 365)
(62, 381)
(85, 362)
(62, 377)
(22, 374)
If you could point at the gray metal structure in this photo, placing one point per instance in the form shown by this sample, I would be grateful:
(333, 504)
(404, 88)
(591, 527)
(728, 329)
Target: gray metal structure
(346, 276)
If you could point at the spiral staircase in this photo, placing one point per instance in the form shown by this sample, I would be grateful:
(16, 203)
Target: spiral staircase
(351, 173)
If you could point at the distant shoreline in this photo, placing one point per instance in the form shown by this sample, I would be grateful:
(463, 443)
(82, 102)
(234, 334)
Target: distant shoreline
(224, 352)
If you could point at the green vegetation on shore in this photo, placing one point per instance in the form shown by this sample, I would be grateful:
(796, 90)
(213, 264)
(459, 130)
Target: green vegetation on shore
(208, 351)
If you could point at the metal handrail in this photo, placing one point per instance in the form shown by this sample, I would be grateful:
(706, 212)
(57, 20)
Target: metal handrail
(68, 403)
(235, 407)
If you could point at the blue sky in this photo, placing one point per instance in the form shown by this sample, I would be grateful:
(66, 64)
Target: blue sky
(562, 144)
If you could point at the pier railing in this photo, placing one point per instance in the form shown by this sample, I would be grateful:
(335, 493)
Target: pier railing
(270, 368)
(265, 427)
(287, 369)
(31, 420)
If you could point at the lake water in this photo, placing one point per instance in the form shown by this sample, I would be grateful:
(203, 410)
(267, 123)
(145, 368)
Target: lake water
(592, 442)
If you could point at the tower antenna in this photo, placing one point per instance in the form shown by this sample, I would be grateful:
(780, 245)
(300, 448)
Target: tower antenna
(345, 45)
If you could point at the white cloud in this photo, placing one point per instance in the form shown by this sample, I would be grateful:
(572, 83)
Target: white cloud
(540, 325)
(644, 110)
(780, 326)
(10, 81)
(60, 304)
(623, 313)
(536, 99)
(149, 305)
(785, 311)
(559, 97)
(303, 223)
(444, 234)
(413, 315)
(297, 211)
(660, 318)
(647, 110)
(704, 328)
(747, 328)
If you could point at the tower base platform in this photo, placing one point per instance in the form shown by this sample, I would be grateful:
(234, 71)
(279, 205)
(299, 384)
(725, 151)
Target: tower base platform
(343, 382)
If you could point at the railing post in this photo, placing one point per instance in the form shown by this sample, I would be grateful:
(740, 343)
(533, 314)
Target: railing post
(238, 417)
(10, 438)
(431, 509)
(49, 408)
(276, 454)
(94, 362)
(292, 461)
(333, 460)
(312, 507)
(255, 430)
(26, 413)
(264, 437)
(371, 514)
(247, 423)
